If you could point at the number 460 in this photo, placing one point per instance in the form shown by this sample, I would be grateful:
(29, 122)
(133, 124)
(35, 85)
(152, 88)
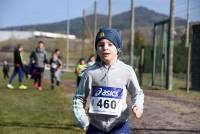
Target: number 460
(106, 104)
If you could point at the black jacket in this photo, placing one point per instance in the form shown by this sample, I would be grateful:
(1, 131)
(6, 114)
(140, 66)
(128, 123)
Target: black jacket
(17, 58)
(6, 67)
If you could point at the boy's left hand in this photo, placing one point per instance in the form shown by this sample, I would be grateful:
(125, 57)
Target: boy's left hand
(137, 111)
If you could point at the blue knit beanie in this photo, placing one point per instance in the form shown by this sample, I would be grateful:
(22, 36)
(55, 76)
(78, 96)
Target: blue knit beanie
(111, 34)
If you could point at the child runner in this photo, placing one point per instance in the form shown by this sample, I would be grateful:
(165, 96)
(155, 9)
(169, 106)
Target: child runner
(107, 83)
(55, 65)
(91, 61)
(18, 68)
(80, 67)
(58, 72)
(39, 59)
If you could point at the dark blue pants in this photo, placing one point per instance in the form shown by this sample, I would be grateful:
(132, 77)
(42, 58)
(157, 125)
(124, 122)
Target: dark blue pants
(120, 129)
(19, 71)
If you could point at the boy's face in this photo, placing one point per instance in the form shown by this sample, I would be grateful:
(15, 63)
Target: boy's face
(106, 50)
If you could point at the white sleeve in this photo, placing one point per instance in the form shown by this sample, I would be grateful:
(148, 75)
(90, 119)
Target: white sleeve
(137, 95)
(79, 102)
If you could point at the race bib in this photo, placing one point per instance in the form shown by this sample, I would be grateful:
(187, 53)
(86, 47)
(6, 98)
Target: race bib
(54, 65)
(106, 100)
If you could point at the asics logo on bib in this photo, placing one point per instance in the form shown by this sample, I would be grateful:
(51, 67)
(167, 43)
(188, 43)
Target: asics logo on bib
(107, 92)
(98, 92)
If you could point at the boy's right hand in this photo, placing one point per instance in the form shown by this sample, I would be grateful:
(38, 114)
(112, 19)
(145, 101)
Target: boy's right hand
(137, 112)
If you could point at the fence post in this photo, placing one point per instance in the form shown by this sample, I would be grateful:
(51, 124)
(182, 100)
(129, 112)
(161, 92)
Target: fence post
(131, 58)
(141, 65)
(170, 47)
(109, 13)
(95, 24)
(67, 39)
(188, 45)
(154, 55)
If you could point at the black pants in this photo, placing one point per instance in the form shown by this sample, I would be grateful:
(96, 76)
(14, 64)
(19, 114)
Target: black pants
(39, 72)
(5, 74)
(78, 80)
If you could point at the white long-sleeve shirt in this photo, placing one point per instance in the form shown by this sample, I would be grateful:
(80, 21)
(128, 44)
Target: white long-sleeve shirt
(107, 90)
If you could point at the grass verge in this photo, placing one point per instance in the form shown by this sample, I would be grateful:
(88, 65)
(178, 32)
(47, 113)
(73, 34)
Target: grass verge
(33, 112)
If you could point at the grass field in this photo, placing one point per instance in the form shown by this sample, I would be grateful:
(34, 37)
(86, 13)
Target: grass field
(47, 112)
(34, 112)
(179, 87)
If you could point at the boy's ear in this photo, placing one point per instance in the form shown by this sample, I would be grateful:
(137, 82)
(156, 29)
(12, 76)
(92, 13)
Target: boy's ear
(119, 51)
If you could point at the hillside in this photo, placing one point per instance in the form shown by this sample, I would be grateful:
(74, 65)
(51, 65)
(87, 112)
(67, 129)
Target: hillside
(144, 20)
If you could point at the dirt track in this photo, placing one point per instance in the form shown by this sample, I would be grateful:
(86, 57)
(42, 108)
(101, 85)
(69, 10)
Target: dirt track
(164, 114)
(167, 114)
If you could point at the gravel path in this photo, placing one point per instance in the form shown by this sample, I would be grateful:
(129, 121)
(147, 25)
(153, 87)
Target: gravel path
(164, 114)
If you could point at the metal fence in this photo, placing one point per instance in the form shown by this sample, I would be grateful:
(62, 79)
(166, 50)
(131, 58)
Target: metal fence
(185, 12)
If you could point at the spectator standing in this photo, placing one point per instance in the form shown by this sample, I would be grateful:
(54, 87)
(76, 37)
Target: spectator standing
(5, 70)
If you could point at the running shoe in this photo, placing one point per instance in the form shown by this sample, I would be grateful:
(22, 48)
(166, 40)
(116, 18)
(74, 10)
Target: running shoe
(40, 88)
(35, 85)
(22, 87)
(10, 86)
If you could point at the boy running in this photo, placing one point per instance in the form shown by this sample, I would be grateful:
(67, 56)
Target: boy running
(107, 83)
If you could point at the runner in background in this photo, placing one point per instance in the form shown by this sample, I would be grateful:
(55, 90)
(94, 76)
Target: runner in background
(58, 72)
(18, 68)
(91, 61)
(80, 67)
(107, 83)
(31, 66)
(39, 59)
(55, 68)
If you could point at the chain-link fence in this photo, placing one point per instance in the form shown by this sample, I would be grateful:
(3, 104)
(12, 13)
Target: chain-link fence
(186, 14)
(160, 43)
(121, 19)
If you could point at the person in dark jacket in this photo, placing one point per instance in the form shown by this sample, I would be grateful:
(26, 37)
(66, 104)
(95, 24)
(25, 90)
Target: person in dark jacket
(31, 67)
(18, 68)
(5, 70)
(39, 59)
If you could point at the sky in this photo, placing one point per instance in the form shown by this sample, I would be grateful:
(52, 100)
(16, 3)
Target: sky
(22, 12)
(25, 12)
